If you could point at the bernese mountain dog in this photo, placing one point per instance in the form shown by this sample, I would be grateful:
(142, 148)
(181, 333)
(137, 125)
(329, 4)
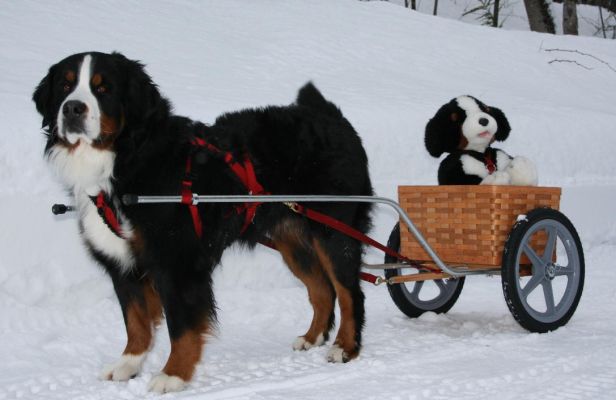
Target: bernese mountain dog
(110, 132)
(466, 128)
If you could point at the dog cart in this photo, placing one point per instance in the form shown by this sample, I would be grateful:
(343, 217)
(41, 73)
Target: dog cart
(451, 232)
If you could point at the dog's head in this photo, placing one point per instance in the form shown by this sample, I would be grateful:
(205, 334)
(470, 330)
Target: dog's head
(465, 123)
(91, 98)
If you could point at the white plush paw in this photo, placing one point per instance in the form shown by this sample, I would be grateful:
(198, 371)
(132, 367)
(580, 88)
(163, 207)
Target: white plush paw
(124, 369)
(337, 355)
(164, 383)
(523, 172)
(497, 178)
(302, 344)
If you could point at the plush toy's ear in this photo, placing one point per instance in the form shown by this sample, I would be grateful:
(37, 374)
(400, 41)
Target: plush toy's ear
(42, 97)
(443, 130)
(503, 130)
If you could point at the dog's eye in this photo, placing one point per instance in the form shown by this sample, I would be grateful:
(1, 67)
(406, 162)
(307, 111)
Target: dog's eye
(66, 87)
(101, 89)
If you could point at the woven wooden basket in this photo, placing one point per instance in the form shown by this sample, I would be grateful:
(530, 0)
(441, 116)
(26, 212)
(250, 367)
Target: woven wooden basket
(468, 225)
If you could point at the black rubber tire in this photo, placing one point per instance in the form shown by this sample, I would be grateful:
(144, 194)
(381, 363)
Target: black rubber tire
(520, 309)
(400, 294)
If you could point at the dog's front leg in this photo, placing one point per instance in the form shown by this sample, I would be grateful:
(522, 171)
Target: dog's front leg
(142, 312)
(189, 305)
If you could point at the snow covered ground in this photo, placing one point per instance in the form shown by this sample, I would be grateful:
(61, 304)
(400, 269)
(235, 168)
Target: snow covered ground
(389, 70)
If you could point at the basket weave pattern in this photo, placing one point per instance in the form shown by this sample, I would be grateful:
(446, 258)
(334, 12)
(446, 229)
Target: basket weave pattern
(468, 225)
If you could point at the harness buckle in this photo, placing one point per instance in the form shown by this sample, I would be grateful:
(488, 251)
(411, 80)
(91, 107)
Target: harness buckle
(293, 206)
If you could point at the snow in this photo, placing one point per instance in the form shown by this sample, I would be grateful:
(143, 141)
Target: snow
(389, 70)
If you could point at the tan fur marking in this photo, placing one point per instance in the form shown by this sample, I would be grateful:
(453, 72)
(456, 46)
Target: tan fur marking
(97, 79)
(454, 117)
(70, 76)
(346, 333)
(141, 319)
(186, 353)
(463, 142)
(110, 128)
(320, 291)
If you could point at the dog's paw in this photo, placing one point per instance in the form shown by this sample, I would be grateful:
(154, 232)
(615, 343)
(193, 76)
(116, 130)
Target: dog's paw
(337, 355)
(127, 367)
(523, 172)
(497, 178)
(302, 344)
(164, 383)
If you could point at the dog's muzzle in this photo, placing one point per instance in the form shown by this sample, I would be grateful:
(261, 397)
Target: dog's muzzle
(74, 113)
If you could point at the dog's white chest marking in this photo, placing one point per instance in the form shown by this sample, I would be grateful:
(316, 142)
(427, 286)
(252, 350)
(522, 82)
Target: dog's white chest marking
(86, 172)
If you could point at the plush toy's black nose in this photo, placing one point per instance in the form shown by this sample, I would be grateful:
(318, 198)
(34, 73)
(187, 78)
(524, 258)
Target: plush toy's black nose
(483, 121)
(73, 109)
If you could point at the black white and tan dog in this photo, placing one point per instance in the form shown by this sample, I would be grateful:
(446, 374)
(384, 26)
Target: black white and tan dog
(110, 132)
(466, 128)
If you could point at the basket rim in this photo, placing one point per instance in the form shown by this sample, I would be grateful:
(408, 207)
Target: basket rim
(494, 189)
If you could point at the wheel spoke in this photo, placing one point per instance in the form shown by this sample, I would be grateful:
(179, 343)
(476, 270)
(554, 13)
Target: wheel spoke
(550, 245)
(560, 271)
(532, 285)
(548, 293)
(535, 259)
(441, 285)
(416, 289)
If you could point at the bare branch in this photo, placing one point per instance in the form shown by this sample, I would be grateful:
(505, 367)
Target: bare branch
(571, 61)
(583, 54)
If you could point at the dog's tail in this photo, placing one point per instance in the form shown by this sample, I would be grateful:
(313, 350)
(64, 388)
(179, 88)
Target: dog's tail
(309, 96)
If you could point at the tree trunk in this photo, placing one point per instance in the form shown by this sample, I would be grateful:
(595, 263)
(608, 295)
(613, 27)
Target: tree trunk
(570, 20)
(414, 4)
(496, 9)
(610, 5)
(539, 17)
(435, 7)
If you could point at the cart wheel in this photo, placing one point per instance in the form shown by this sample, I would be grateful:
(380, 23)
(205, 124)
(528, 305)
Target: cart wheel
(542, 291)
(415, 298)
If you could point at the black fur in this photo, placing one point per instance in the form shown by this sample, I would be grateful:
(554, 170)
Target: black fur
(305, 148)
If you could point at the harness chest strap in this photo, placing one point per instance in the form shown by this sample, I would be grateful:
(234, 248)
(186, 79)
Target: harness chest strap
(107, 212)
(245, 173)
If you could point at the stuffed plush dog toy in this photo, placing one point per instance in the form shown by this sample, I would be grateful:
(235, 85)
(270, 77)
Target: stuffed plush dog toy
(465, 128)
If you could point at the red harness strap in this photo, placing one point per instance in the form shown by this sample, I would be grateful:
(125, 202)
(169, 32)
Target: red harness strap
(354, 233)
(244, 171)
(107, 213)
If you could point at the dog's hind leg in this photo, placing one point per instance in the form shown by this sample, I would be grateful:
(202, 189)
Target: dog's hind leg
(340, 257)
(306, 267)
(142, 312)
(293, 241)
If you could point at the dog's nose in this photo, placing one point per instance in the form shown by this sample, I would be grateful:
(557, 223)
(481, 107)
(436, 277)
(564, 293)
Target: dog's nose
(483, 121)
(73, 109)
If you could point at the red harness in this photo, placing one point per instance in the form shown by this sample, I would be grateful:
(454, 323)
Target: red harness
(244, 171)
(107, 211)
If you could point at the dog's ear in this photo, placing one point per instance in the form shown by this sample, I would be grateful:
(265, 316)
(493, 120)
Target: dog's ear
(504, 128)
(443, 130)
(143, 102)
(43, 96)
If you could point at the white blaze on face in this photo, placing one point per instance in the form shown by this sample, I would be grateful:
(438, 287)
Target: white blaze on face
(82, 93)
(478, 133)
